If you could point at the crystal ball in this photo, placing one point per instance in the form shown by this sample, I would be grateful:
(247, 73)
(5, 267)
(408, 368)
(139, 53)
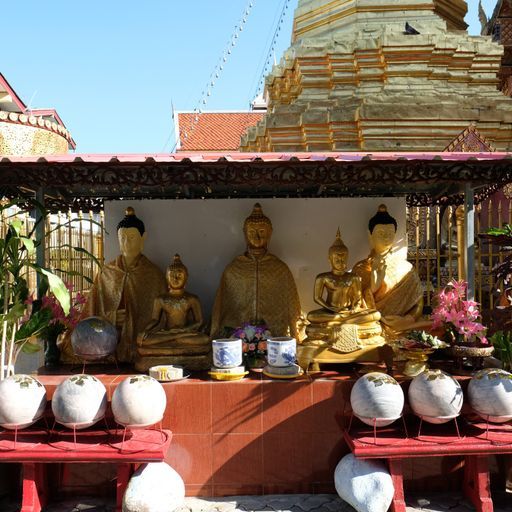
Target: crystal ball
(94, 338)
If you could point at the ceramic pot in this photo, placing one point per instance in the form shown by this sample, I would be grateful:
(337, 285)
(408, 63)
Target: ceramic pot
(435, 396)
(139, 402)
(490, 394)
(22, 401)
(377, 399)
(281, 352)
(227, 352)
(94, 339)
(79, 401)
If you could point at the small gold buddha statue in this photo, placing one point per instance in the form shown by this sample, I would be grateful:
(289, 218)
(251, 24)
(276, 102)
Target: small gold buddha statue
(341, 296)
(123, 290)
(390, 283)
(257, 286)
(173, 336)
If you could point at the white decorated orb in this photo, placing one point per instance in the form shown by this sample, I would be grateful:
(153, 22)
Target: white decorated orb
(22, 401)
(79, 401)
(490, 394)
(377, 399)
(435, 396)
(138, 402)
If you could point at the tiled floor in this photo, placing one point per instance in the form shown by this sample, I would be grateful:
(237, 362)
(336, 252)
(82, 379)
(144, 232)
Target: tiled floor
(291, 503)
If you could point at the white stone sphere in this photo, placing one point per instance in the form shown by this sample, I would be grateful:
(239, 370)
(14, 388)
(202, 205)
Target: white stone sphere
(435, 396)
(154, 487)
(22, 401)
(377, 399)
(490, 394)
(79, 401)
(366, 485)
(138, 402)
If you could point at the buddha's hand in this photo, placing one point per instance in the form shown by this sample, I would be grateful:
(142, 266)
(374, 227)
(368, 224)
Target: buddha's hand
(378, 272)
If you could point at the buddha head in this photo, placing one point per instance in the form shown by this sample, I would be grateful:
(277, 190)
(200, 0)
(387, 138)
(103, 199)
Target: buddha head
(257, 230)
(131, 234)
(338, 254)
(382, 227)
(176, 274)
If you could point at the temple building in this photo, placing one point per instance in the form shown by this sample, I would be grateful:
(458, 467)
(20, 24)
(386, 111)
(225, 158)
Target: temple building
(30, 132)
(382, 75)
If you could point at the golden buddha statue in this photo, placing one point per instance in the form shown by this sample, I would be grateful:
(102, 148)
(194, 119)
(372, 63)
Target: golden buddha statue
(123, 291)
(340, 294)
(390, 283)
(257, 286)
(173, 336)
(344, 330)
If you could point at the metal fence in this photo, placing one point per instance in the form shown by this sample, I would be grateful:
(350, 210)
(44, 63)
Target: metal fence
(435, 235)
(67, 236)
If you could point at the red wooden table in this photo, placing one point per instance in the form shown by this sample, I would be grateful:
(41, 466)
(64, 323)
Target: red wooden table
(475, 443)
(34, 449)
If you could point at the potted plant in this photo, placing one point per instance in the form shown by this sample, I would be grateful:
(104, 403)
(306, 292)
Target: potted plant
(18, 328)
(459, 321)
(254, 343)
(502, 343)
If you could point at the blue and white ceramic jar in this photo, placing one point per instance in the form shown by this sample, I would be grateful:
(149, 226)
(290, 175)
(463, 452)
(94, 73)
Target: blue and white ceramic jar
(227, 352)
(282, 351)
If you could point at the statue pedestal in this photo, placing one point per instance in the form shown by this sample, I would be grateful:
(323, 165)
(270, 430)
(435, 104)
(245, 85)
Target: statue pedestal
(189, 355)
(322, 353)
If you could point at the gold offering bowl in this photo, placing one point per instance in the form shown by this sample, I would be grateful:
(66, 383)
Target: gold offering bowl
(416, 360)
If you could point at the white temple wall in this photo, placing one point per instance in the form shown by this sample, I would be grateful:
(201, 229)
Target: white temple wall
(208, 235)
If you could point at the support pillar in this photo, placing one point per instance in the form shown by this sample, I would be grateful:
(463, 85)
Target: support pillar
(469, 239)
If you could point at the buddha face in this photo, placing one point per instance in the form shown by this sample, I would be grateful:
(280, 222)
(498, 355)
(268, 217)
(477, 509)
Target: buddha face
(176, 278)
(382, 237)
(338, 260)
(131, 242)
(257, 235)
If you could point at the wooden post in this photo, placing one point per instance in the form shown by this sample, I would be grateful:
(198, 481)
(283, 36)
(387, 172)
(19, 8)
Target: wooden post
(40, 235)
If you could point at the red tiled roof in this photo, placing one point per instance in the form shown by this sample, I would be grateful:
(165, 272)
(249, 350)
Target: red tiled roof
(213, 131)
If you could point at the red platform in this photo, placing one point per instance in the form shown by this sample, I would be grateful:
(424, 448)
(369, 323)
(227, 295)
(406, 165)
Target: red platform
(35, 449)
(475, 442)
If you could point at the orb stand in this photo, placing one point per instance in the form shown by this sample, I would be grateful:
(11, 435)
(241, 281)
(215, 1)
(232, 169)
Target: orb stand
(457, 430)
(61, 436)
(101, 360)
(496, 428)
(7, 433)
(141, 441)
(375, 428)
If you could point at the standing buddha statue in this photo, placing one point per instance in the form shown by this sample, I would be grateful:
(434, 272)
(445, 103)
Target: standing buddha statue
(257, 286)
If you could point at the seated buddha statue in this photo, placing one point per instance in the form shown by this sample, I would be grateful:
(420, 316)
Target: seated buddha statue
(123, 290)
(173, 336)
(390, 283)
(257, 286)
(341, 296)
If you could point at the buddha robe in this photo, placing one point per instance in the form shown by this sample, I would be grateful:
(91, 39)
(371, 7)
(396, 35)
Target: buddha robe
(254, 290)
(124, 298)
(401, 290)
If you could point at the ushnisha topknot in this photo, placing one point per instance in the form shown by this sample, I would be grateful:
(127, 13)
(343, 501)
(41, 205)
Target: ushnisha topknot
(257, 217)
(131, 220)
(338, 245)
(381, 217)
(177, 264)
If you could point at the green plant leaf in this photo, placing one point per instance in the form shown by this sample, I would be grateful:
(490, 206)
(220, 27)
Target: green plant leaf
(29, 244)
(16, 225)
(30, 348)
(58, 288)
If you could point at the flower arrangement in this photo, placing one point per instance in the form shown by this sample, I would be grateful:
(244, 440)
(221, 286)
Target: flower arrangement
(421, 340)
(254, 343)
(458, 317)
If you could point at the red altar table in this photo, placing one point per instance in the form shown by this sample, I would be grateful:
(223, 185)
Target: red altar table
(34, 449)
(474, 441)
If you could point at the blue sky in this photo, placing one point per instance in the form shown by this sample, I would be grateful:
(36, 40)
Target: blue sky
(113, 68)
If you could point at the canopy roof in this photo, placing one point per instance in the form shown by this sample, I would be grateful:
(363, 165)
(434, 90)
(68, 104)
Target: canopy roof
(85, 181)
